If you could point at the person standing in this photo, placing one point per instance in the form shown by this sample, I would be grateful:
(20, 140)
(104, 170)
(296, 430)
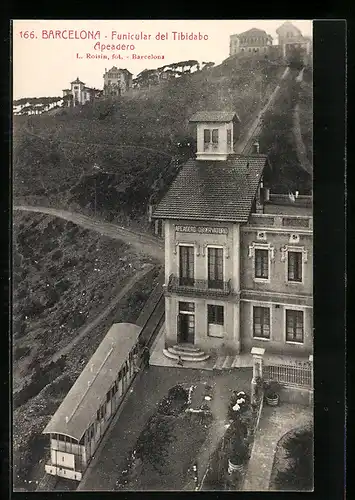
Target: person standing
(146, 356)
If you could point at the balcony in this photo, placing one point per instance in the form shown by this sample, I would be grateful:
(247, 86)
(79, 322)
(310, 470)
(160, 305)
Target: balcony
(202, 288)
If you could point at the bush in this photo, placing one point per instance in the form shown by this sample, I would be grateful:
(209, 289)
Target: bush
(175, 402)
(20, 352)
(62, 285)
(154, 441)
(178, 393)
(57, 254)
(72, 262)
(299, 474)
(40, 379)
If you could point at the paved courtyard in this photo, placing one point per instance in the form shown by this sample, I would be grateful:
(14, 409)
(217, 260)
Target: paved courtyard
(275, 422)
(141, 403)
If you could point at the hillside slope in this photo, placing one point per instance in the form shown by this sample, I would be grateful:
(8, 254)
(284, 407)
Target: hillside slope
(134, 138)
(64, 279)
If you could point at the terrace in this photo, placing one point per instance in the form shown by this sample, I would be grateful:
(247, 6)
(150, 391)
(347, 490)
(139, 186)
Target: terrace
(282, 221)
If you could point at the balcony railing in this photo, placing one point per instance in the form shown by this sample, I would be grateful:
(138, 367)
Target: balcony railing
(189, 286)
(279, 221)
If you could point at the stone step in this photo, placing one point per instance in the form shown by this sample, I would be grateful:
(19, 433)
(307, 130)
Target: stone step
(219, 363)
(227, 364)
(170, 355)
(187, 347)
(187, 354)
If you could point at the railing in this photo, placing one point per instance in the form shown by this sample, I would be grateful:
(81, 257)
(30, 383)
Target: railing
(187, 286)
(299, 374)
(289, 221)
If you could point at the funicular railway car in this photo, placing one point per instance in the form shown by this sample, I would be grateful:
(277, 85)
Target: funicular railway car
(81, 420)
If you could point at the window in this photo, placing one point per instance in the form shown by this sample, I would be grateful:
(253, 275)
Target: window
(215, 138)
(229, 139)
(261, 263)
(210, 137)
(294, 326)
(186, 261)
(215, 320)
(215, 314)
(215, 268)
(294, 266)
(187, 307)
(261, 322)
(206, 138)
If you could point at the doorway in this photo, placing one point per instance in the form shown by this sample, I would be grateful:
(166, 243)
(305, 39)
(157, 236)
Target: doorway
(186, 328)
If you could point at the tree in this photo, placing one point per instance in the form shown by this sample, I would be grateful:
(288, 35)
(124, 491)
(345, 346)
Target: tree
(299, 452)
(207, 65)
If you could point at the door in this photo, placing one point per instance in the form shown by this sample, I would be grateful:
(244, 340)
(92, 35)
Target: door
(186, 328)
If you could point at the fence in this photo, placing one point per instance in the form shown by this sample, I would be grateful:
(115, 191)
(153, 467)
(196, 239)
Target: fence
(296, 375)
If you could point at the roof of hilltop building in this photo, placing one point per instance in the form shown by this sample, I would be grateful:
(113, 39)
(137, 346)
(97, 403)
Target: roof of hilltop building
(288, 26)
(78, 410)
(78, 81)
(254, 32)
(214, 190)
(214, 116)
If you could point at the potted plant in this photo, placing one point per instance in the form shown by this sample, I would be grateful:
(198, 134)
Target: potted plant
(272, 389)
(238, 457)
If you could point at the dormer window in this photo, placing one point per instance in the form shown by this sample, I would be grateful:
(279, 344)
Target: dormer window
(210, 139)
(217, 131)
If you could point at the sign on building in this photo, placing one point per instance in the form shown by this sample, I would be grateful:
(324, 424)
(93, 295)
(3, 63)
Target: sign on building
(201, 229)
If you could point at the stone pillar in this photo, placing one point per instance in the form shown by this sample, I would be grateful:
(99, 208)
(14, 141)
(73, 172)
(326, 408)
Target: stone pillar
(257, 353)
(156, 229)
(312, 388)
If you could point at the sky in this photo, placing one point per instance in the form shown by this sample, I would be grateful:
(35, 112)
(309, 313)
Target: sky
(44, 66)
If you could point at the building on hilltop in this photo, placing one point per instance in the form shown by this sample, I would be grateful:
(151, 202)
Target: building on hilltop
(238, 260)
(79, 93)
(290, 38)
(117, 81)
(250, 43)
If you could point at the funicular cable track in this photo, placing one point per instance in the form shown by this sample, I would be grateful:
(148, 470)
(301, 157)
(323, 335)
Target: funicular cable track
(151, 319)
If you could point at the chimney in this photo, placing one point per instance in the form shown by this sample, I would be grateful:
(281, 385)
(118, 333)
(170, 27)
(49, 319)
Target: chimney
(256, 148)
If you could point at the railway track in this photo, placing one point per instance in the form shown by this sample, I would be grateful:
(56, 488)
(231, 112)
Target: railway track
(151, 319)
(256, 128)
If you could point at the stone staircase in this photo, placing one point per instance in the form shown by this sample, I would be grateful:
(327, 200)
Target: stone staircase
(187, 352)
(229, 362)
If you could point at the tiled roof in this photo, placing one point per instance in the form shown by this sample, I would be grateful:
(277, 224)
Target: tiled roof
(213, 116)
(213, 190)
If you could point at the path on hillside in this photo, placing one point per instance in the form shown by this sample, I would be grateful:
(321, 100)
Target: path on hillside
(256, 125)
(300, 146)
(142, 242)
(114, 301)
(118, 294)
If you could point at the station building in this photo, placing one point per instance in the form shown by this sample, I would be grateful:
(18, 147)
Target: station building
(238, 260)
